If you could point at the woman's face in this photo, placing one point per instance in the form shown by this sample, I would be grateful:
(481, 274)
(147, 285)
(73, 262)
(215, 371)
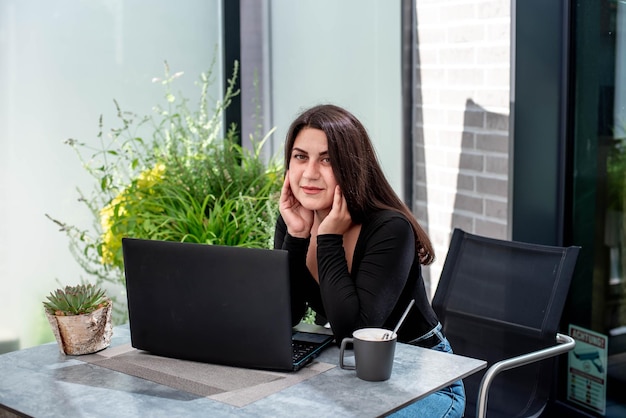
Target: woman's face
(310, 172)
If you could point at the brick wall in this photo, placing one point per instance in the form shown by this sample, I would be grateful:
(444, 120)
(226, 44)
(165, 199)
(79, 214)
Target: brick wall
(462, 112)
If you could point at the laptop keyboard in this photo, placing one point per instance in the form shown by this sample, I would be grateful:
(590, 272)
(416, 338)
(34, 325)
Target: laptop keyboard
(300, 350)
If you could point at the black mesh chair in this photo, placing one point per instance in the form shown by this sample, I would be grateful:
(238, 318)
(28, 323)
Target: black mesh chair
(501, 301)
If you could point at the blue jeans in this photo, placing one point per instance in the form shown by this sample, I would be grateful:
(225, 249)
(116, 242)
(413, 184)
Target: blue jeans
(448, 402)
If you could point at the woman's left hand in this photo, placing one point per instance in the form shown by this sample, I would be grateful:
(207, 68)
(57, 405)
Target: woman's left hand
(338, 221)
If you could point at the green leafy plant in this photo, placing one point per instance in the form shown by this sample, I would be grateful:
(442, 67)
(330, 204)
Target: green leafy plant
(75, 300)
(173, 176)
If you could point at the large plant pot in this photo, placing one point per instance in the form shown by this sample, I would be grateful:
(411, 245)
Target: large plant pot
(83, 334)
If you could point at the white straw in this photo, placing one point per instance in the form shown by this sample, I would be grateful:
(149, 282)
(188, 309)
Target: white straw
(406, 312)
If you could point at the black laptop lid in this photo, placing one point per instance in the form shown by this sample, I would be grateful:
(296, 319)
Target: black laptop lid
(209, 303)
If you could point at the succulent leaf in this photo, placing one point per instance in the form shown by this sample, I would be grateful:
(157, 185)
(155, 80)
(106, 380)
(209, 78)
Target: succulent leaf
(75, 300)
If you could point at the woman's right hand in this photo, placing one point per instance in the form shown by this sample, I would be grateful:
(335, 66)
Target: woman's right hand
(298, 219)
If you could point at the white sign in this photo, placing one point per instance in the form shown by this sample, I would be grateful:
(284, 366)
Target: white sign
(587, 364)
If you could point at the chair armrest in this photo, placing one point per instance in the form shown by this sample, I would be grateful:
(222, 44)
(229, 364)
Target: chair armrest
(565, 343)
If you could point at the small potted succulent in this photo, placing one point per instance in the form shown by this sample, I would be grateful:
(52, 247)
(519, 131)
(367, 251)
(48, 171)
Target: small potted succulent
(80, 317)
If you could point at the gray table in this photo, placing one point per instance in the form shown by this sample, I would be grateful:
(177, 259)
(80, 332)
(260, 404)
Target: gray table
(41, 382)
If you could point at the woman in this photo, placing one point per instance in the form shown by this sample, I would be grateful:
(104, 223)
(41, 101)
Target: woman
(355, 250)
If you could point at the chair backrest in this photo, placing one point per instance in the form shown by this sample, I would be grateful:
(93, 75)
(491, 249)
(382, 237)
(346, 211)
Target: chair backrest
(498, 299)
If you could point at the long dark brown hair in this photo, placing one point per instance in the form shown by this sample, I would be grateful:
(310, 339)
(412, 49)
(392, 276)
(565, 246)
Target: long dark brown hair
(356, 168)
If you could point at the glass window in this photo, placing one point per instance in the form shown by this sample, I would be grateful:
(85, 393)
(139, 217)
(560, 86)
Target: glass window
(343, 52)
(598, 293)
(62, 63)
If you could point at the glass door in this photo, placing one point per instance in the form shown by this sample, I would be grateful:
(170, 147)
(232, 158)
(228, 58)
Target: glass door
(597, 299)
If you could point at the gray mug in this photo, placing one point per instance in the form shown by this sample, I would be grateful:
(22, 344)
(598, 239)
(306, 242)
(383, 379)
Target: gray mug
(373, 354)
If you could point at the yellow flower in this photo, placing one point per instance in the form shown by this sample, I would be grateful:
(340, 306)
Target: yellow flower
(112, 215)
(111, 243)
(149, 178)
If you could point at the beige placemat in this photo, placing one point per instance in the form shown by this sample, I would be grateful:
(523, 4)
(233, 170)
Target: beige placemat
(231, 385)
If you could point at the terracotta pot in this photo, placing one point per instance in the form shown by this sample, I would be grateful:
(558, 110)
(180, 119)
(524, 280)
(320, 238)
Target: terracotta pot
(83, 334)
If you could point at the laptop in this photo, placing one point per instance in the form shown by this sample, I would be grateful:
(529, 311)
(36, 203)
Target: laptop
(215, 304)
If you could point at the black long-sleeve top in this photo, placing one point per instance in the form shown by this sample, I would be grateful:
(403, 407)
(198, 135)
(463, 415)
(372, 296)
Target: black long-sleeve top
(385, 276)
